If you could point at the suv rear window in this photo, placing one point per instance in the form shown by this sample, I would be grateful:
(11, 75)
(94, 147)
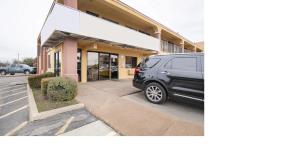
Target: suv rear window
(149, 62)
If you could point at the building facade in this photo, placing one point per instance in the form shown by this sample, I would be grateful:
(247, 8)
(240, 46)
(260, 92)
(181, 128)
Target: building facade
(102, 39)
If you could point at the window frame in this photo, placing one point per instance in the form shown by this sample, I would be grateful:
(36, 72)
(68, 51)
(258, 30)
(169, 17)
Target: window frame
(131, 61)
(171, 65)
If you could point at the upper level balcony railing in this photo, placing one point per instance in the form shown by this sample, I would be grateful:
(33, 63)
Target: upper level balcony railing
(170, 48)
(69, 20)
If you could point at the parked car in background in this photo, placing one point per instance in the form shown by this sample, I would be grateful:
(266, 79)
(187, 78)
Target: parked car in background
(34, 71)
(177, 76)
(16, 68)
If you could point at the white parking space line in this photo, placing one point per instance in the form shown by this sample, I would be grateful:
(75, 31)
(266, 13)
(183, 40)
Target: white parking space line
(65, 126)
(13, 101)
(13, 94)
(10, 86)
(10, 113)
(14, 89)
(19, 127)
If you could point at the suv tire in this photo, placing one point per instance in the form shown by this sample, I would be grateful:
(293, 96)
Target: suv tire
(155, 93)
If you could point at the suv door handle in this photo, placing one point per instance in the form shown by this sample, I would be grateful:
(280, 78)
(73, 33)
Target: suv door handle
(165, 72)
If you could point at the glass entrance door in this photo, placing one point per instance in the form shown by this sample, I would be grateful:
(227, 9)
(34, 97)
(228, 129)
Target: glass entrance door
(104, 63)
(92, 66)
(57, 63)
(114, 62)
(79, 64)
(102, 66)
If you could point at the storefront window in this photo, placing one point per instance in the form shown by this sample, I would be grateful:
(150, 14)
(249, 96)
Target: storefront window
(131, 62)
(57, 63)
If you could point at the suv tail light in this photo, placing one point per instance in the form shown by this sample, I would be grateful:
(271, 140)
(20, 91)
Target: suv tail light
(137, 70)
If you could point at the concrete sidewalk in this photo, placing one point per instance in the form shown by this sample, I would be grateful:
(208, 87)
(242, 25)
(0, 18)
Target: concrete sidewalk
(96, 128)
(104, 100)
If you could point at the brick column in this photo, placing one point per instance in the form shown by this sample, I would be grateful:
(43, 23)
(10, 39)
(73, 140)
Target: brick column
(69, 59)
(45, 59)
(38, 71)
(84, 66)
(71, 3)
(42, 60)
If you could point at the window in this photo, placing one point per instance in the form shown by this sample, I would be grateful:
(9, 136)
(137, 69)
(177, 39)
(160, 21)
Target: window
(79, 64)
(49, 61)
(150, 62)
(184, 64)
(92, 13)
(131, 62)
(57, 62)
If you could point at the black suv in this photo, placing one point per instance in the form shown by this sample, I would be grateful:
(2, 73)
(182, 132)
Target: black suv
(177, 76)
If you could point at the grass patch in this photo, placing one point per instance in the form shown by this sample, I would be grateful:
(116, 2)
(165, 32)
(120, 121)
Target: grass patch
(43, 104)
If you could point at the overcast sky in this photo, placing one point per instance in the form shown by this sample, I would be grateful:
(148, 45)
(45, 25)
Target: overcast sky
(22, 20)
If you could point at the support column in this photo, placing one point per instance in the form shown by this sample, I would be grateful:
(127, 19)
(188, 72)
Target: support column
(84, 65)
(157, 34)
(38, 65)
(42, 60)
(45, 58)
(69, 59)
(182, 46)
(38, 61)
(71, 3)
(38, 55)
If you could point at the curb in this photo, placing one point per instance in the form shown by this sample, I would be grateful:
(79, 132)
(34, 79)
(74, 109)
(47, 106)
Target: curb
(33, 111)
(35, 115)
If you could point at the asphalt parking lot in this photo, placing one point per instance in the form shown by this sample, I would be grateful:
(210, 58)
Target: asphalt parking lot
(13, 103)
(14, 114)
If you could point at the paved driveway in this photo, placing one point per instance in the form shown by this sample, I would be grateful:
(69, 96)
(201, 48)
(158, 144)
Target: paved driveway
(127, 111)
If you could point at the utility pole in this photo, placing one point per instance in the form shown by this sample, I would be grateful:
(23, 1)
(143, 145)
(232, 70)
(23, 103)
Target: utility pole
(18, 57)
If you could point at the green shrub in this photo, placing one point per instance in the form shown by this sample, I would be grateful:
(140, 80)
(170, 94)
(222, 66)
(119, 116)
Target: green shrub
(35, 80)
(44, 85)
(62, 89)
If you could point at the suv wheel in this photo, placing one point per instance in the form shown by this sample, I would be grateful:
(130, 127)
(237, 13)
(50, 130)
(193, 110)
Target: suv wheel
(26, 72)
(155, 93)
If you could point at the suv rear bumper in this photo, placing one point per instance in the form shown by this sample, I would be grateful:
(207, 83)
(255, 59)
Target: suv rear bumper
(138, 84)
